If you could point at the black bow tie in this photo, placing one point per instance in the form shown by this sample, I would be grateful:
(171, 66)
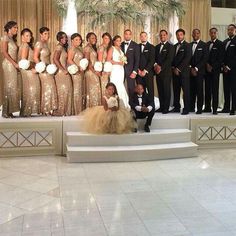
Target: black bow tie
(179, 44)
(140, 96)
(126, 43)
(162, 44)
(195, 42)
(143, 44)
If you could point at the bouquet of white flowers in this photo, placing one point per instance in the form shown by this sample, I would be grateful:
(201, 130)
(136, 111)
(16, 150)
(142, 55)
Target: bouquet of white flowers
(84, 63)
(51, 69)
(73, 69)
(98, 66)
(24, 64)
(40, 67)
(107, 67)
(123, 59)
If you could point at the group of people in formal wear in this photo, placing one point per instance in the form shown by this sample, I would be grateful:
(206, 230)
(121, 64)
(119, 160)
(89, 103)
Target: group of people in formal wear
(74, 77)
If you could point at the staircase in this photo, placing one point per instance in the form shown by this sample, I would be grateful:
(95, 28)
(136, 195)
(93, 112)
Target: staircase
(169, 138)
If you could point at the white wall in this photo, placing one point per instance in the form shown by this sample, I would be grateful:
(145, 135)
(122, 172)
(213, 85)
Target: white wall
(223, 16)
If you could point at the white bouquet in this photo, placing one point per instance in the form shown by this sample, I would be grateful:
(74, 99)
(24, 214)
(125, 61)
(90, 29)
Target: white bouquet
(24, 64)
(107, 67)
(51, 69)
(73, 69)
(98, 66)
(123, 59)
(84, 63)
(40, 67)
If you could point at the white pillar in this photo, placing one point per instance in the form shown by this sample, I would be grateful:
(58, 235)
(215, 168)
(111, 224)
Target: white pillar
(70, 20)
(147, 26)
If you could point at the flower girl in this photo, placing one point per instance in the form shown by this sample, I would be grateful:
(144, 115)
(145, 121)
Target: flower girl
(110, 118)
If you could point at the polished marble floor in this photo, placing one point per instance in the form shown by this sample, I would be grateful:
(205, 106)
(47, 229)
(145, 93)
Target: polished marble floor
(41, 196)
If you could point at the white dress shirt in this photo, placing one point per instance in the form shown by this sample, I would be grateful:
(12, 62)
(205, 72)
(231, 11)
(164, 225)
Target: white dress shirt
(127, 43)
(140, 100)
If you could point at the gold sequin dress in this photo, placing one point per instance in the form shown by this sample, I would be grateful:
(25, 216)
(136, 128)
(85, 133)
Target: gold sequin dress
(78, 83)
(64, 86)
(30, 86)
(93, 86)
(97, 120)
(48, 86)
(105, 76)
(11, 96)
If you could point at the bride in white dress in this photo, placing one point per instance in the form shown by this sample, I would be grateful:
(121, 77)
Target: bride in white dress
(117, 58)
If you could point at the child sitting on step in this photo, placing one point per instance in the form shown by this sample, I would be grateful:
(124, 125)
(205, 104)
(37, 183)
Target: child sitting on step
(143, 107)
(110, 118)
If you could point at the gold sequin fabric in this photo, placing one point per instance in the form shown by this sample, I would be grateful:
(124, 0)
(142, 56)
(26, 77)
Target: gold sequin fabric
(64, 86)
(48, 86)
(93, 86)
(30, 87)
(11, 98)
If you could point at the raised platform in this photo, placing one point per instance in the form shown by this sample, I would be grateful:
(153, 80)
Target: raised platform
(172, 136)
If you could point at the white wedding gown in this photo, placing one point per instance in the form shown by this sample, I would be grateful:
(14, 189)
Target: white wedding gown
(117, 77)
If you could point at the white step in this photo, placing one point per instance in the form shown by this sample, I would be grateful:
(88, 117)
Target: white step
(131, 153)
(168, 121)
(159, 136)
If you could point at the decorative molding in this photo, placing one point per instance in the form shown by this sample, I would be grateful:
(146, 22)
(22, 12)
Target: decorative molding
(26, 138)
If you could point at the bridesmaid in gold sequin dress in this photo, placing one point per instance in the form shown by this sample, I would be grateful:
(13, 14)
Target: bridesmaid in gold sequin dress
(9, 48)
(48, 86)
(92, 78)
(62, 77)
(102, 56)
(75, 54)
(30, 80)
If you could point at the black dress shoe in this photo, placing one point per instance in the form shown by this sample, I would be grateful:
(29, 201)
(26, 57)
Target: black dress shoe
(165, 112)
(175, 110)
(224, 111)
(146, 129)
(185, 113)
(199, 112)
(232, 113)
(215, 113)
(159, 110)
(207, 111)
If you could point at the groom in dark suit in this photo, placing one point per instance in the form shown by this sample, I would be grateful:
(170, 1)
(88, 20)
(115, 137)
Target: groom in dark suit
(131, 51)
(146, 62)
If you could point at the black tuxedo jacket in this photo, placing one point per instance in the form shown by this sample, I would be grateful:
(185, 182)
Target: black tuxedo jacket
(146, 101)
(230, 54)
(133, 56)
(182, 58)
(216, 55)
(165, 58)
(147, 58)
(199, 58)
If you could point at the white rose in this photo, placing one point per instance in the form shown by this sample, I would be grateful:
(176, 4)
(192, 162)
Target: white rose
(51, 69)
(107, 67)
(24, 64)
(98, 66)
(84, 63)
(73, 69)
(40, 67)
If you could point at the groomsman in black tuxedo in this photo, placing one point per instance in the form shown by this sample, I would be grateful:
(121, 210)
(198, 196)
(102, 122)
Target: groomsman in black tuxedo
(213, 68)
(181, 72)
(229, 67)
(132, 52)
(198, 70)
(143, 106)
(146, 62)
(164, 54)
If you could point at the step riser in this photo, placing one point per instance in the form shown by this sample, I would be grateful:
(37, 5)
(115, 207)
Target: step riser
(119, 156)
(117, 140)
(76, 125)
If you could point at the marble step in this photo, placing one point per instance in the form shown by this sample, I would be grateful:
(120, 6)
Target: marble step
(131, 153)
(158, 136)
(169, 121)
